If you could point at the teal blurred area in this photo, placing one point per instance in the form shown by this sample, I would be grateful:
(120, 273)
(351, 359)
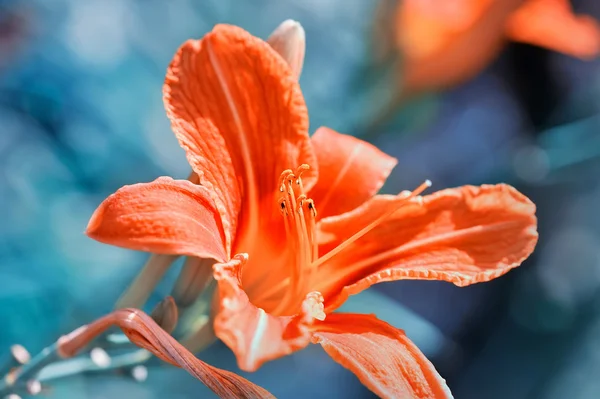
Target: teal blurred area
(81, 115)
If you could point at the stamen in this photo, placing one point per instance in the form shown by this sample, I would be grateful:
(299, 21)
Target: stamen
(300, 228)
(284, 177)
(311, 207)
(310, 220)
(426, 184)
(300, 200)
(312, 228)
(301, 169)
(305, 249)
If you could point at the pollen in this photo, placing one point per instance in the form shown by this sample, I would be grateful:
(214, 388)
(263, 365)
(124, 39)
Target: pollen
(314, 302)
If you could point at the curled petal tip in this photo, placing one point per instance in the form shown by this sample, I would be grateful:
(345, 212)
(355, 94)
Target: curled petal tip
(94, 223)
(289, 41)
(165, 314)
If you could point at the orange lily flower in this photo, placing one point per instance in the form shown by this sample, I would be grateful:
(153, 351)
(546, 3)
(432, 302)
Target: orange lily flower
(445, 43)
(282, 268)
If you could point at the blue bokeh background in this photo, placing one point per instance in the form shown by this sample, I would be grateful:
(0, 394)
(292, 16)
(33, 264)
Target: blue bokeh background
(81, 115)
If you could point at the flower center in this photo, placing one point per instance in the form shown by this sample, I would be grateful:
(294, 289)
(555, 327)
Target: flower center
(302, 260)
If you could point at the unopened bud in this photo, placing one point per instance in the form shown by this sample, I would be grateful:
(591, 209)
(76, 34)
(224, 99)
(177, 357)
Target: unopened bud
(34, 387)
(139, 373)
(165, 314)
(20, 354)
(289, 41)
(100, 358)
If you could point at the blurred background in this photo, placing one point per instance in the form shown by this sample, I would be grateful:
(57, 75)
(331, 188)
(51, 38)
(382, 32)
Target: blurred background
(460, 91)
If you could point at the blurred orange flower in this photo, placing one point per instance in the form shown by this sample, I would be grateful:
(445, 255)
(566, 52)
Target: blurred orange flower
(444, 43)
(282, 268)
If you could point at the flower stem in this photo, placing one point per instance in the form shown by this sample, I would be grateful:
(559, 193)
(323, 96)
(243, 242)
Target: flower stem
(195, 275)
(202, 336)
(136, 295)
(70, 367)
(29, 371)
(50, 363)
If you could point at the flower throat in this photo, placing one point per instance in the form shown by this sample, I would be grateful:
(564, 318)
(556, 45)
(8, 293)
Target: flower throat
(300, 220)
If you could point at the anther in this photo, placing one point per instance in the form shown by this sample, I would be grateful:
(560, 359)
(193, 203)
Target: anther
(311, 207)
(283, 177)
(300, 200)
(282, 206)
(426, 184)
(301, 169)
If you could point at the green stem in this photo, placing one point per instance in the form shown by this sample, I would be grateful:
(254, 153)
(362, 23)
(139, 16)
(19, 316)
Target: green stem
(140, 289)
(29, 370)
(195, 275)
(70, 367)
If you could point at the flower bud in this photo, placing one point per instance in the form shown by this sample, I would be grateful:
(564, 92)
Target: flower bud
(290, 42)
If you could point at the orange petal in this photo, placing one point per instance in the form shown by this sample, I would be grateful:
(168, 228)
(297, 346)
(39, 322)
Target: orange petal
(464, 235)
(252, 334)
(381, 356)
(238, 112)
(144, 332)
(351, 171)
(552, 24)
(165, 216)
